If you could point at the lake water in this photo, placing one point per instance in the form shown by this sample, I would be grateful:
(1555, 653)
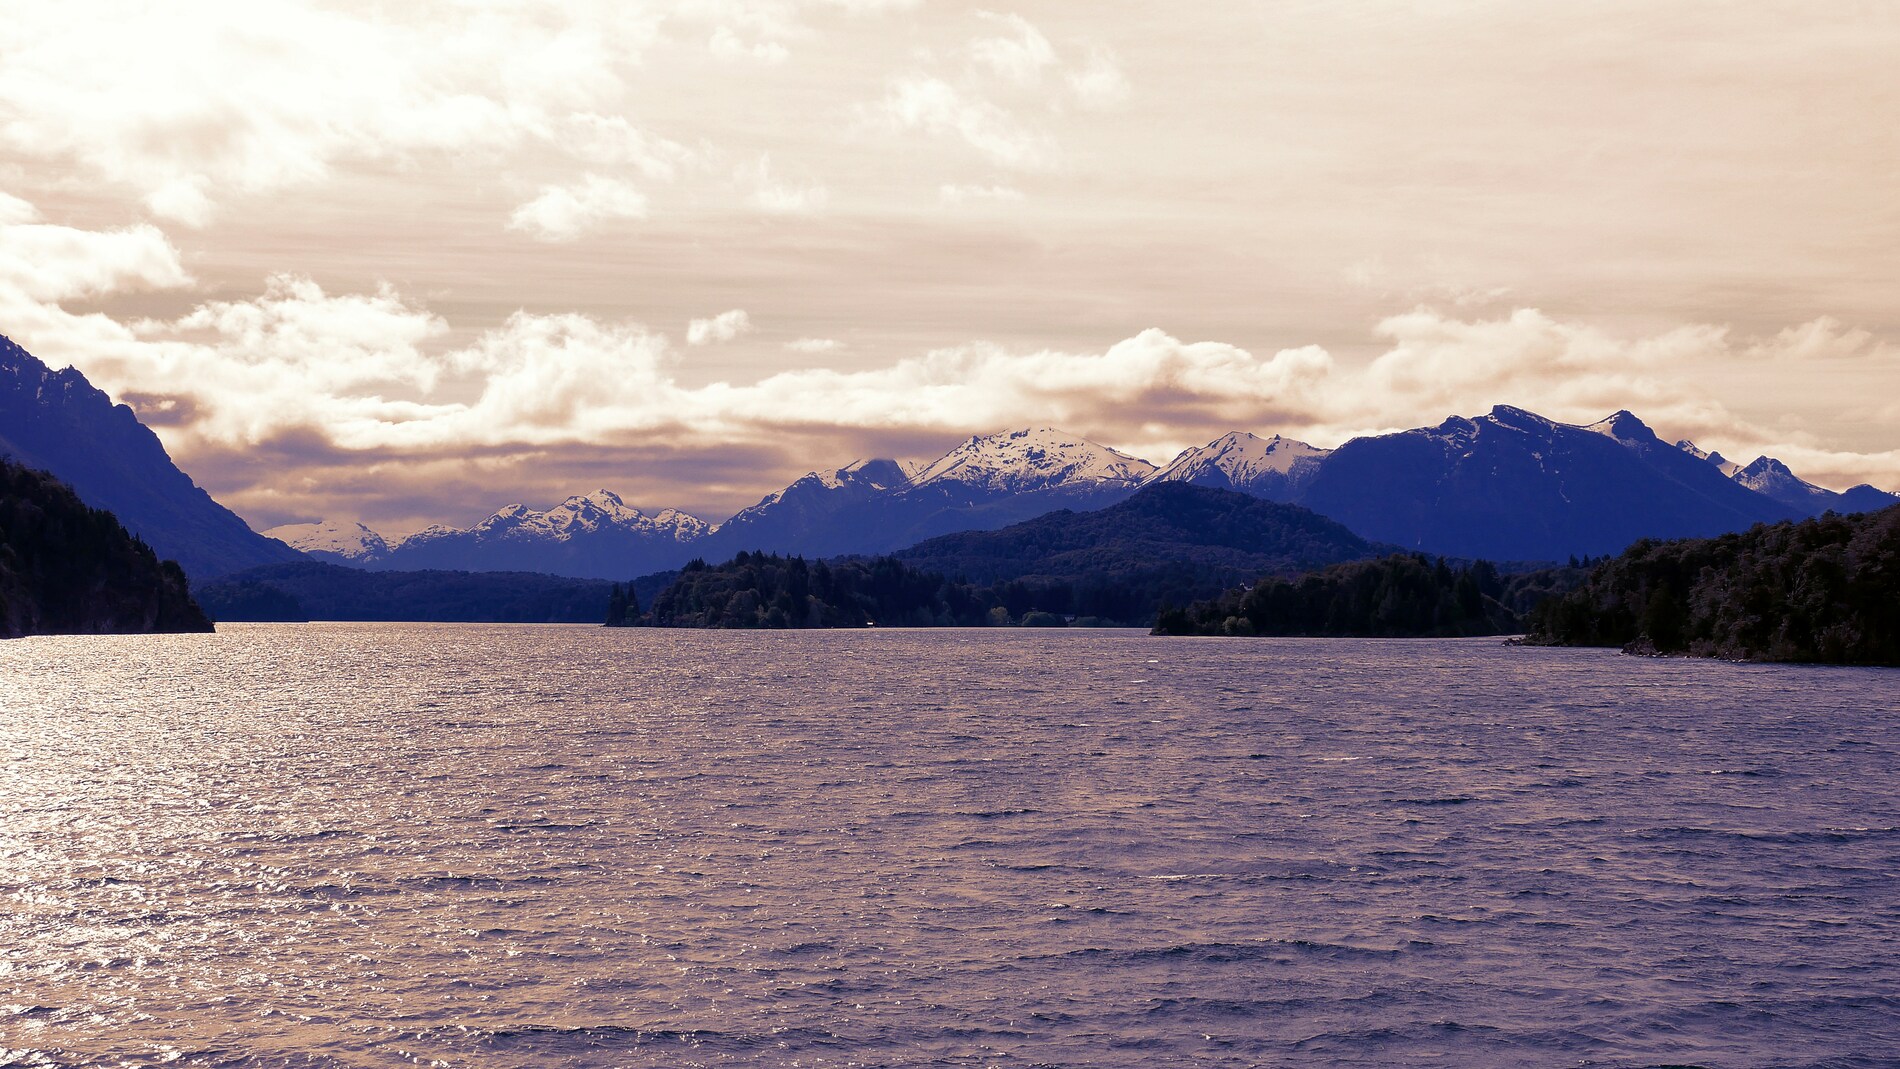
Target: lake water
(383, 845)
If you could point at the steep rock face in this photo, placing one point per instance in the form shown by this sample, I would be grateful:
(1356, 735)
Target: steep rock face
(1512, 485)
(593, 536)
(66, 568)
(57, 421)
(1270, 468)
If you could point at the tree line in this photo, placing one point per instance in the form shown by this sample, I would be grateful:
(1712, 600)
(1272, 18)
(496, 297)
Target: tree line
(1825, 590)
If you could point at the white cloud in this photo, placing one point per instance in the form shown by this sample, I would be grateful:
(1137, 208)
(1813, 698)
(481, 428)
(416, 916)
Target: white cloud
(1825, 338)
(47, 263)
(934, 106)
(13, 210)
(612, 141)
(954, 194)
(1099, 81)
(377, 375)
(723, 327)
(563, 213)
(1020, 55)
(775, 197)
(726, 45)
(240, 98)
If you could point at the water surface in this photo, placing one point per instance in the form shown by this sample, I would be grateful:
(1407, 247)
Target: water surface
(493, 846)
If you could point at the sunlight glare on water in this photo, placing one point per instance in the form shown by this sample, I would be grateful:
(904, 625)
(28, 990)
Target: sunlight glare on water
(371, 845)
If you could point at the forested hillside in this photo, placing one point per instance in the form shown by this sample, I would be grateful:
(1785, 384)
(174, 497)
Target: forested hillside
(67, 568)
(1824, 590)
(759, 590)
(1170, 543)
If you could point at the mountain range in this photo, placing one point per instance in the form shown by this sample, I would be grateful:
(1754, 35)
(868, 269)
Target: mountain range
(1508, 485)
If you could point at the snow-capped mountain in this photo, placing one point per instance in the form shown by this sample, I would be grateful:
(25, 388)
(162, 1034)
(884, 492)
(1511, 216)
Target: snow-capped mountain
(584, 515)
(594, 536)
(1269, 468)
(1032, 460)
(1769, 476)
(986, 482)
(340, 543)
(1512, 485)
(58, 422)
(1772, 478)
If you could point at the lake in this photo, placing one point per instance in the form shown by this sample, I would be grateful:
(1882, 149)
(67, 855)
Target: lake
(500, 846)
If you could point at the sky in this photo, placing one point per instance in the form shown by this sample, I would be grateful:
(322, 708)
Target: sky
(407, 263)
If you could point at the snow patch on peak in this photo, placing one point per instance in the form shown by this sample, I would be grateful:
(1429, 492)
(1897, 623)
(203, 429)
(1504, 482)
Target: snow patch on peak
(876, 473)
(1240, 459)
(1724, 464)
(349, 541)
(1623, 426)
(1766, 475)
(1035, 458)
(602, 510)
(1521, 418)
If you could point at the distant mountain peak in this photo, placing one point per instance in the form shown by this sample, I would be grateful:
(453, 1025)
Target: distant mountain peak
(1623, 426)
(1239, 460)
(1034, 458)
(1523, 418)
(351, 542)
(880, 473)
(1764, 466)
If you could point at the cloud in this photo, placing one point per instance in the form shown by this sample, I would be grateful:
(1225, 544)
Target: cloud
(14, 211)
(1099, 81)
(934, 106)
(237, 99)
(1020, 56)
(720, 328)
(563, 213)
(612, 141)
(1825, 338)
(954, 194)
(375, 381)
(774, 197)
(42, 262)
(726, 45)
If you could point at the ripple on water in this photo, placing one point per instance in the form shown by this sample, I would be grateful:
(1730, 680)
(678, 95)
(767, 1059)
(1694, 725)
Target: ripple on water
(368, 845)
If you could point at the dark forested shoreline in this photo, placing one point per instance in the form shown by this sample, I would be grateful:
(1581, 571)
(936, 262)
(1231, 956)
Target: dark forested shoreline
(1400, 596)
(67, 568)
(764, 590)
(312, 590)
(1825, 590)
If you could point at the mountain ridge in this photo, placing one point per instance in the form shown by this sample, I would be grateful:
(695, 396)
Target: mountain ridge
(58, 422)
